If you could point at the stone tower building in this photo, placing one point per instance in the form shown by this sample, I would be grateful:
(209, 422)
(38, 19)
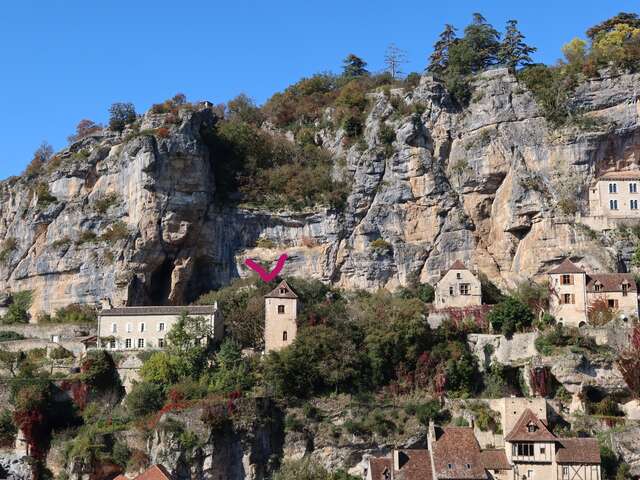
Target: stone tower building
(280, 314)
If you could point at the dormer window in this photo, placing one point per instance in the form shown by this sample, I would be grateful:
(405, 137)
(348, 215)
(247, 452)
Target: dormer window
(625, 289)
(449, 466)
(468, 467)
(597, 287)
(531, 428)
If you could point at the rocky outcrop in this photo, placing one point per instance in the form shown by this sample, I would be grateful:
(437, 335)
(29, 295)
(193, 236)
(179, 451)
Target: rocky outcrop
(481, 184)
(196, 443)
(14, 466)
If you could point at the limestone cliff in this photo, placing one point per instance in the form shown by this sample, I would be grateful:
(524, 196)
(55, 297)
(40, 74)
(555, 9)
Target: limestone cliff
(481, 183)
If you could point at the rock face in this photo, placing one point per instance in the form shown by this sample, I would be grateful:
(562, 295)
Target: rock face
(189, 447)
(14, 467)
(481, 184)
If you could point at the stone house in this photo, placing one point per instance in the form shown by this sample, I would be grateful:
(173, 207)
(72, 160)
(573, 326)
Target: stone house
(531, 452)
(144, 328)
(458, 288)
(574, 292)
(280, 317)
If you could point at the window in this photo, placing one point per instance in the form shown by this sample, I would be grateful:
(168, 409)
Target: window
(280, 308)
(597, 287)
(451, 291)
(464, 289)
(613, 188)
(161, 327)
(633, 204)
(529, 474)
(543, 451)
(625, 289)
(141, 343)
(565, 279)
(114, 328)
(525, 450)
(613, 204)
(449, 466)
(565, 473)
(458, 275)
(161, 343)
(112, 344)
(531, 428)
(633, 187)
(611, 303)
(284, 336)
(568, 298)
(283, 291)
(127, 343)
(468, 466)
(141, 326)
(128, 328)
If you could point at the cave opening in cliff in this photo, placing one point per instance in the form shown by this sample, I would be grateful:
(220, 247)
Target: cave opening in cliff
(160, 283)
(201, 281)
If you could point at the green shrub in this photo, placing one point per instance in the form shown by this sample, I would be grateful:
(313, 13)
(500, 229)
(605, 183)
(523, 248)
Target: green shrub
(8, 336)
(116, 232)
(509, 316)
(460, 422)
(380, 246)
(44, 195)
(74, 313)
(144, 398)
(18, 311)
(8, 430)
(104, 203)
(7, 247)
(293, 424)
(60, 353)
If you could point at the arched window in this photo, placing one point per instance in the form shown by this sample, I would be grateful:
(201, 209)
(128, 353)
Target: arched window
(284, 336)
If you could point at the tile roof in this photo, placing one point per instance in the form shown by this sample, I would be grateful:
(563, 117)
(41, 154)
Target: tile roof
(624, 175)
(275, 293)
(578, 450)
(458, 265)
(567, 266)
(160, 310)
(611, 282)
(456, 455)
(154, 472)
(378, 467)
(495, 460)
(521, 433)
(417, 465)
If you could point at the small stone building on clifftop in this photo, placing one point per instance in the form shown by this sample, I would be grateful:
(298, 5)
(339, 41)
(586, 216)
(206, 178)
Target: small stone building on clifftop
(458, 288)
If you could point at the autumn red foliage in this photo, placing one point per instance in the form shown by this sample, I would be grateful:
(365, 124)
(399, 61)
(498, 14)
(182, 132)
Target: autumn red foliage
(629, 362)
(540, 380)
(78, 391)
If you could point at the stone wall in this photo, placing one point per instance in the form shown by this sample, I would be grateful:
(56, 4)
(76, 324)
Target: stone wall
(514, 351)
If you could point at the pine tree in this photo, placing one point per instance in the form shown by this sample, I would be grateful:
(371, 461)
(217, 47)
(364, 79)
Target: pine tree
(482, 43)
(513, 51)
(353, 67)
(439, 59)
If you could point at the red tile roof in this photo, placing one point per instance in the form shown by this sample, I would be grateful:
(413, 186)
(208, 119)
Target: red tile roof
(378, 467)
(456, 455)
(624, 175)
(417, 465)
(154, 472)
(521, 433)
(275, 293)
(567, 266)
(611, 282)
(495, 460)
(458, 265)
(578, 451)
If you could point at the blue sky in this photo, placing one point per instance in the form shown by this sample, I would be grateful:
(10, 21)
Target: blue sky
(64, 60)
